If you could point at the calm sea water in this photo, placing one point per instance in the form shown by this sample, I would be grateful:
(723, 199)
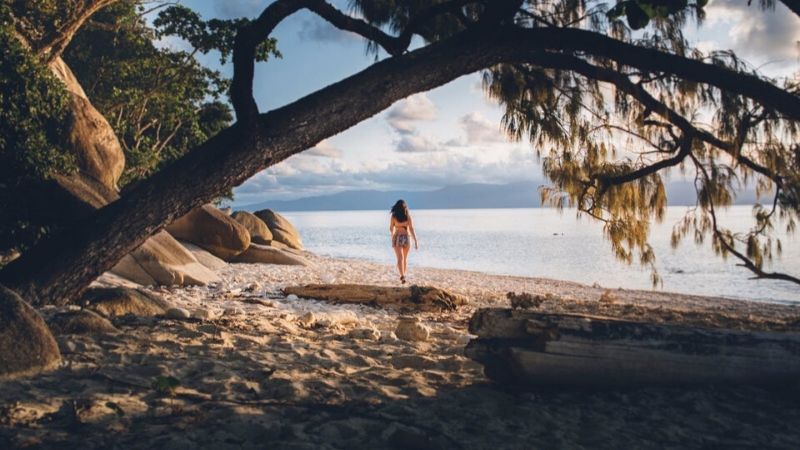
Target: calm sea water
(546, 243)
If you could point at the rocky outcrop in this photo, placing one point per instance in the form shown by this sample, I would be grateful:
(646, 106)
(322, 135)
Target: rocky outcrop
(204, 257)
(269, 255)
(162, 260)
(91, 139)
(282, 230)
(26, 345)
(120, 301)
(259, 231)
(420, 298)
(213, 230)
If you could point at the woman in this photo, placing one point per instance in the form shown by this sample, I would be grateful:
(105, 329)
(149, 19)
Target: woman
(401, 226)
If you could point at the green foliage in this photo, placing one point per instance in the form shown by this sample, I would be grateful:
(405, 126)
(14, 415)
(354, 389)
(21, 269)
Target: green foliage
(161, 102)
(214, 34)
(33, 112)
(639, 13)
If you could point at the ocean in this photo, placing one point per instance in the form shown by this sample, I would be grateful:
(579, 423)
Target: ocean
(544, 242)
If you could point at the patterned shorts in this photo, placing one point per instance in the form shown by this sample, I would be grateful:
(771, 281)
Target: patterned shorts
(401, 240)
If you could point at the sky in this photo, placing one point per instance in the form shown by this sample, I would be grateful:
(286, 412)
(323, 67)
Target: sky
(447, 136)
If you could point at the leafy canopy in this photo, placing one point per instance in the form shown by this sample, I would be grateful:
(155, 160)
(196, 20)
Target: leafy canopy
(608, 133)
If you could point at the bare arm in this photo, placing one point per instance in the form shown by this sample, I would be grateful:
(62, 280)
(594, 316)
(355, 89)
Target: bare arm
(391, 226)
(413, 233)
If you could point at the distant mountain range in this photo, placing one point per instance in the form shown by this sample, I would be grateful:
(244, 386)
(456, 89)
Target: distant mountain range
(514, 195)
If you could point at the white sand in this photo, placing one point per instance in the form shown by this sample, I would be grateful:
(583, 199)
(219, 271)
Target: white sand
(259, 371)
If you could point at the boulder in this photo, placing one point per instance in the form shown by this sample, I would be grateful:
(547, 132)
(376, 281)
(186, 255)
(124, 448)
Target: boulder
(259, 232)
(213, 230)
(26, 345)
(81, 322)
(119, 301)
(204, 257)
(268, 255)
(162, 260)
(282, 230)
(91, 139)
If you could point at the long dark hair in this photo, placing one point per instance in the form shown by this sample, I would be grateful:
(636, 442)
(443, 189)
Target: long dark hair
(400, 211)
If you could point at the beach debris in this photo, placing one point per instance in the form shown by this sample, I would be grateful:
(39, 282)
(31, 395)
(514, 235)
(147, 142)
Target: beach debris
(529, 348)
(366, 333)
(292, 297)
(607, 297)
(253, 287)
(421, 298)
(410, 329)
(204, 314)
(178, 314)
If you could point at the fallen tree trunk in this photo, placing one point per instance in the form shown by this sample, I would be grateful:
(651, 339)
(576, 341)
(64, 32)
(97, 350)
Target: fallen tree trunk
(532, 349)
(420, 298)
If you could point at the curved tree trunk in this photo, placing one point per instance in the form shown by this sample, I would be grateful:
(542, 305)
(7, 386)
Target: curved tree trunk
(60, 268)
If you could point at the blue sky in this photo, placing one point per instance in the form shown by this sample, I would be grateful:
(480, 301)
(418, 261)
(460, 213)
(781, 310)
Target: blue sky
(450, 135)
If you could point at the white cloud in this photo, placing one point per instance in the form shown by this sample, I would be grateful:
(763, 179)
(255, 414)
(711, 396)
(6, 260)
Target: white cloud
(764, 36)
(303, 177)
(417, 143)
(404, 116)
(324, 149)
(480, 130)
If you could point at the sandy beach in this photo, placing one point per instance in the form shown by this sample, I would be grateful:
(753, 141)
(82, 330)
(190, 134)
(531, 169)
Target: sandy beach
(253, 368)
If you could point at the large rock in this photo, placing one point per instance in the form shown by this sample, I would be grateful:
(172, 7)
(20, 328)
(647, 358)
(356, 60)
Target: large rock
(119, 301)
(269, 255)
(259, 231)
(204, 257)
(162, 260)
(282, 230)
(26, 345)
(91, 139)
(213, 230)
(81, 322)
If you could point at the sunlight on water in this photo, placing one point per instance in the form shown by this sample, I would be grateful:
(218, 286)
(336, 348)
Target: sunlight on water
(545, 243)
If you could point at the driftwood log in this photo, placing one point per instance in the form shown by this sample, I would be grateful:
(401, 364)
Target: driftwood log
(527, 348)
(421, 298)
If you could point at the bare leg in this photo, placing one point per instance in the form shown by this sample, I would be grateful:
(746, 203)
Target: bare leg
(405, 258)
(398, 251)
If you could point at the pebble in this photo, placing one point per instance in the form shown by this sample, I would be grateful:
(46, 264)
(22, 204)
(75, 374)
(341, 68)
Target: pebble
(307, 320)
(204, 314)
(463, 339)
(292, 297)
(234, 312)
(370, 334)
(178, 313)
(409, 329)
